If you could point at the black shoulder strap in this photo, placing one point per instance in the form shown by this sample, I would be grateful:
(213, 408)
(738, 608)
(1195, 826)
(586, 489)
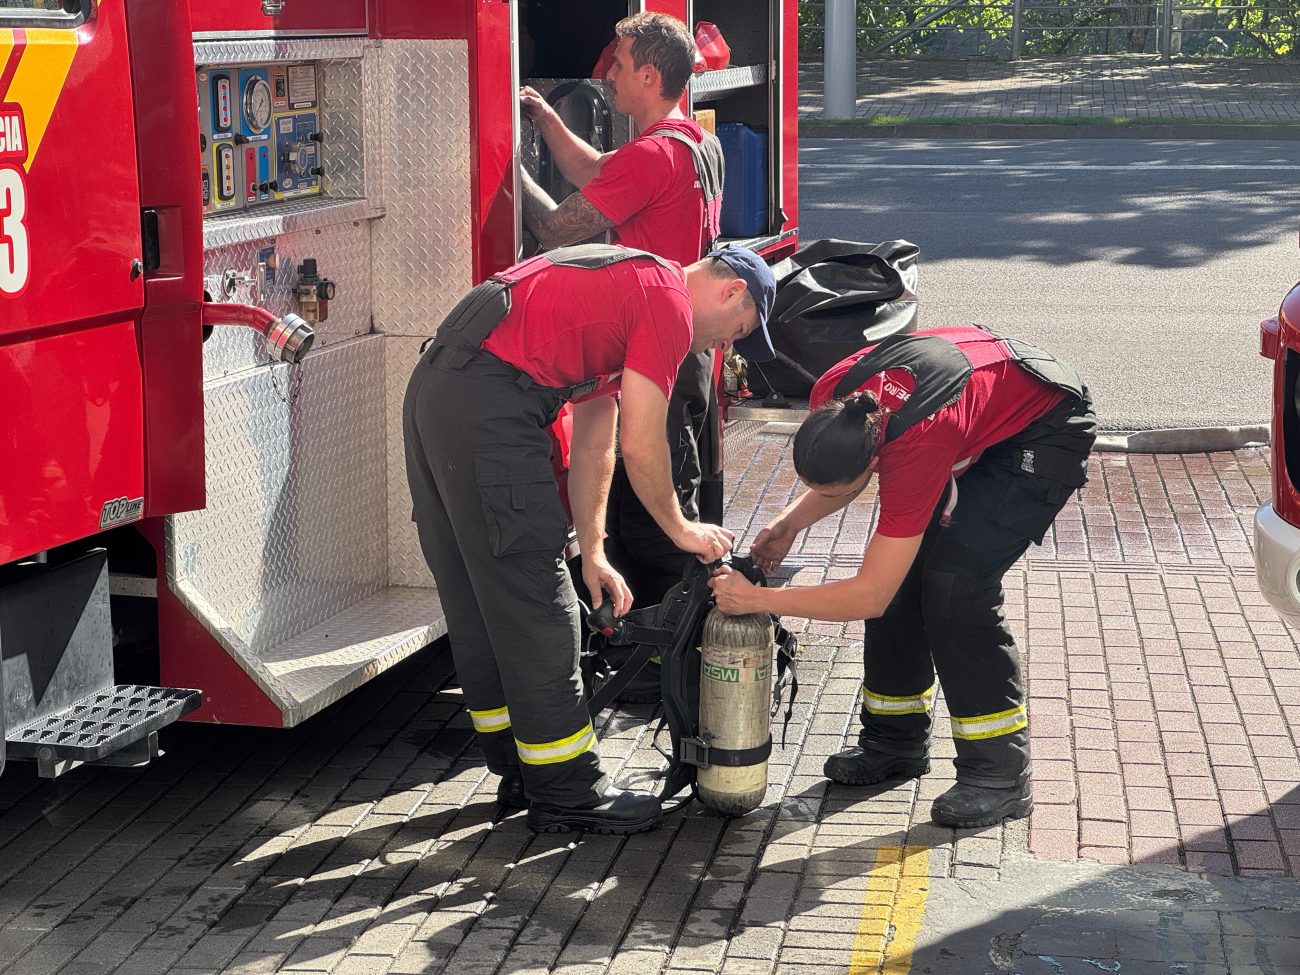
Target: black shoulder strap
(939, 368)
(595, 256)
(709, 169)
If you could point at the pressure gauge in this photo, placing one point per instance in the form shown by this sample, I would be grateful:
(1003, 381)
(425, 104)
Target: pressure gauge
(257, 104)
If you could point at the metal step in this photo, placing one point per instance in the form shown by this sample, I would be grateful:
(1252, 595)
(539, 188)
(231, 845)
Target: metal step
(116, 726)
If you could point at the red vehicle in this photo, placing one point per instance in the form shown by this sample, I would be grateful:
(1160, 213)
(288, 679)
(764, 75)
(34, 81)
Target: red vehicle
(225, 228)
(1277, 525)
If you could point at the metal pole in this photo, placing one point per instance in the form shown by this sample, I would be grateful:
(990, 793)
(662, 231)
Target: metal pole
(1166, 26)
(840, 64)
(1016, 40)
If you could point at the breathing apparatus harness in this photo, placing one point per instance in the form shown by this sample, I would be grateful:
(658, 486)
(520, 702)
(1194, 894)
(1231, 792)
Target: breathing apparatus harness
(671, 631)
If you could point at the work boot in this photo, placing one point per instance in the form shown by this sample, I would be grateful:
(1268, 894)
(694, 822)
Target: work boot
(965, 806)
(644, 688)
(621, 811)
(864, 766)
(510, 791)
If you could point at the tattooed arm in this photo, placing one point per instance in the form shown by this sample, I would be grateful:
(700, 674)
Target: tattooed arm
(555, 226)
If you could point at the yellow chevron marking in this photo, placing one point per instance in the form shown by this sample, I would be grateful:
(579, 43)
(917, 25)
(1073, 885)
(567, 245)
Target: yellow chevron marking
(39, 80)
(6, 45)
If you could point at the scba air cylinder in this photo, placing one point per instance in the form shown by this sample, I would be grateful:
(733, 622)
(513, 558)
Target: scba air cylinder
(735, 696)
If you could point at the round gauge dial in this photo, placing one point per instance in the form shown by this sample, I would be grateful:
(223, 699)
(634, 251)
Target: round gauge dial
(257, 104)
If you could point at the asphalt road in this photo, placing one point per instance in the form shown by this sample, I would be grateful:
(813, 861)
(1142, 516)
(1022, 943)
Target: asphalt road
(1148, 265)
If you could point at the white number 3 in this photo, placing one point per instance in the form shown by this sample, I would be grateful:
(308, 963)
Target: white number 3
(15, 257)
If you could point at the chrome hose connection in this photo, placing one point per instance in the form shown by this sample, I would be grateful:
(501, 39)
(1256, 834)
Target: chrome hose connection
(288, 339)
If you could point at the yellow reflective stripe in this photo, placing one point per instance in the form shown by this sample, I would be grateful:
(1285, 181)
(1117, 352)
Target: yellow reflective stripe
(990, 725)
(875, 703)
(564, 750)
(498, 719)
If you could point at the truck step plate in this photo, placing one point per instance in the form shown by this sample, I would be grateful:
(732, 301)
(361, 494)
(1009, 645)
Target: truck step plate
(101, 723)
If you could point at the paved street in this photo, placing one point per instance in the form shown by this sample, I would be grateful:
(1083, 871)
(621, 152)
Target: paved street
(1165, 702)
(1147, 265)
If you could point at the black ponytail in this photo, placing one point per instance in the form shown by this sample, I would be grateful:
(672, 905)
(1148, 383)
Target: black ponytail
(836, 443)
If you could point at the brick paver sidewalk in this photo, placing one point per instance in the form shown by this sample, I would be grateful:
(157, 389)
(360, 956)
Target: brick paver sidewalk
(1135, 86)
(1165, 703)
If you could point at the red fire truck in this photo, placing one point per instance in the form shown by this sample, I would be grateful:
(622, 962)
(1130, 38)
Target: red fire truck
(225, 228)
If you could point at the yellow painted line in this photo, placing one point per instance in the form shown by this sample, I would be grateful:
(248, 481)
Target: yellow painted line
(38, 82)
(891, 912)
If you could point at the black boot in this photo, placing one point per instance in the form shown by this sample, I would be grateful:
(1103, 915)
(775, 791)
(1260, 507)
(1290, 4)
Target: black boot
(510, 791)
(644, 688)
(859, 766)
(966, 806)
(622, 811)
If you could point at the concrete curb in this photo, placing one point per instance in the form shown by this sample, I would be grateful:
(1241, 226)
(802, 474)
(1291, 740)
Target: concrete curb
(1170, 440)
(1184, 440)
(983, 129)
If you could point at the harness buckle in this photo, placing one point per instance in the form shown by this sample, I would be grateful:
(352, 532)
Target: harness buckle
(582, 389)
(695, 751)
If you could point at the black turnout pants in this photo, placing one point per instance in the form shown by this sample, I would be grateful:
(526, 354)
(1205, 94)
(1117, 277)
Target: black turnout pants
(948, 618)
(493, 530)
(637, 547)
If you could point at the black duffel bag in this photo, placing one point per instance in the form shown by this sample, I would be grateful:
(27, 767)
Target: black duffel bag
(832, 298)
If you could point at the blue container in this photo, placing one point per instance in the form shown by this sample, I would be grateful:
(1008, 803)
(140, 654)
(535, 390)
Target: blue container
(744, 192)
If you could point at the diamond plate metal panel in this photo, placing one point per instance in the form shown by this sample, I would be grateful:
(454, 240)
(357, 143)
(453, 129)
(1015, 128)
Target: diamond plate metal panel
(373, 112)
(406, 565)
(343, 124)
(342, 254)
(294, 528)
(319, 667)
(423, 243)
(289, 217)
(709, 85)
(252, 50)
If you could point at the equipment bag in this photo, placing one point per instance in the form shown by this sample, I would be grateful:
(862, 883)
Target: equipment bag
(832, 298)
(671, 631)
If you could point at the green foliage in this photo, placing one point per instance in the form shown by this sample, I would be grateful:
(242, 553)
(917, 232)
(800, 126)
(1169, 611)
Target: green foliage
(1063, 28)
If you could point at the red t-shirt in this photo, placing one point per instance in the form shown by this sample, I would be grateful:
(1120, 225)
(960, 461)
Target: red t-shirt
(651, 192)
(1000, 400)
(569, 325)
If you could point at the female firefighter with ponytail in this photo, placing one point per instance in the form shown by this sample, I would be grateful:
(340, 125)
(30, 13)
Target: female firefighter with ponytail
(978, 442)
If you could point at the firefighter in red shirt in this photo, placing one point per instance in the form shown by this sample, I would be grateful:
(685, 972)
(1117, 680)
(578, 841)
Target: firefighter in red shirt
(660, 193)
(978, 442)
(578, 324)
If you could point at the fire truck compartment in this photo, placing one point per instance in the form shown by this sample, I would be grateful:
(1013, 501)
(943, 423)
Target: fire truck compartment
(560, 42)
(304, 567)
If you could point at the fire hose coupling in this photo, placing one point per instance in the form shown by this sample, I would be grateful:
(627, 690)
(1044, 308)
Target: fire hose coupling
(288, 339)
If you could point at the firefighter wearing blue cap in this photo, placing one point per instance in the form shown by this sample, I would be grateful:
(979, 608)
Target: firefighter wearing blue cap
(577, 324)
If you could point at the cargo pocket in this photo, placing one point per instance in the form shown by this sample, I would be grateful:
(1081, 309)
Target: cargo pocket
(521, 503)
(1030, 505)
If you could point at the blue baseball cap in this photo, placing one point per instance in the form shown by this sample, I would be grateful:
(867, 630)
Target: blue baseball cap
(758, 278)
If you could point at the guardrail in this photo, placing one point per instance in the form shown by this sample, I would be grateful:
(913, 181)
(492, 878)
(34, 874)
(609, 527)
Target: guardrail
(1011, 29)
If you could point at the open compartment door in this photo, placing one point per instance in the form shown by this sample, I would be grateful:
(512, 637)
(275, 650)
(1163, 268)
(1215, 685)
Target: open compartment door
(747, 104)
